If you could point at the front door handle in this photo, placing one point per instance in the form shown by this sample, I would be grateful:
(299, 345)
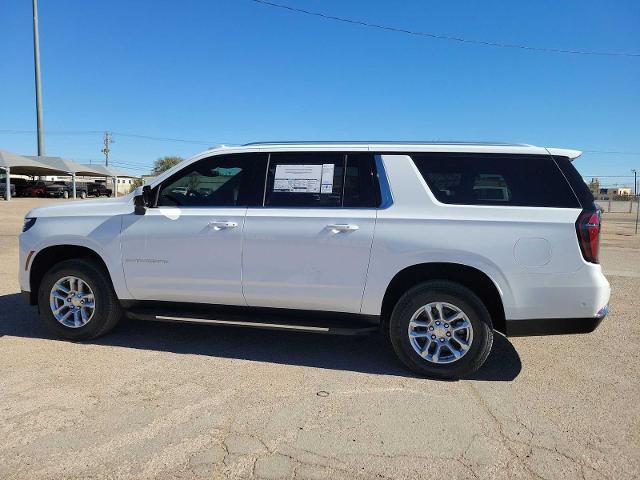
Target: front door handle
(343, 227)
(223, 225)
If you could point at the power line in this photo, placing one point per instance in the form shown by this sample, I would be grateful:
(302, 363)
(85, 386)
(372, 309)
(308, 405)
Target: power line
(165, 139)
(204, 142)
(121, 134)
(132, 162)
(441, 36)
(52, 132)
(605, 152)
(130, 165)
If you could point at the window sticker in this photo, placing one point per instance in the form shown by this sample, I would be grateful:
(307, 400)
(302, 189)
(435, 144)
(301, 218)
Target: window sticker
(298, 178)
(326, 185)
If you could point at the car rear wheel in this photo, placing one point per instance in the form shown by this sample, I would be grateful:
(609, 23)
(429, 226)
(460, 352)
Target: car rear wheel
(77, 301)
(441, 329)
(83, 195)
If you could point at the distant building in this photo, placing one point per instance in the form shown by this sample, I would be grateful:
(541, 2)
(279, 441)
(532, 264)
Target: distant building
(614, 193)
(620, 191)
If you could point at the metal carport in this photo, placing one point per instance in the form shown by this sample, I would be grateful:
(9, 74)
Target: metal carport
(20, 165)
(69, 167)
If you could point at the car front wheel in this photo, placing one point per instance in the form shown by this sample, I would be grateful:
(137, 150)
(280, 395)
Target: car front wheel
(77, 301)
(441, 329)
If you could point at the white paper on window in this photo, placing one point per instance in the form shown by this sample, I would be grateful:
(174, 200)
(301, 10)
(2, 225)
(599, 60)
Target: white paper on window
(326, 185)
(297, 178)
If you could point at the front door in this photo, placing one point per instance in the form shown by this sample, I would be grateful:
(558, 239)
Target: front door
(309, 246)
(188, 248)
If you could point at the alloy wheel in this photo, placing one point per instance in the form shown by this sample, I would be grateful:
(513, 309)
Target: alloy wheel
(440, 332)
(72, 302)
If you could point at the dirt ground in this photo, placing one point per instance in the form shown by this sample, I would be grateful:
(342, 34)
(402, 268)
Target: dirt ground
(154, 400)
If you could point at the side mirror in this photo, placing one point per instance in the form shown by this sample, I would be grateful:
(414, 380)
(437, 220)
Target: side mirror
(142, 199)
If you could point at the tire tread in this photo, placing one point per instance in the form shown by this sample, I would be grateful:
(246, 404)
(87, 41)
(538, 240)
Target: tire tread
(460, 368)
(95, 271)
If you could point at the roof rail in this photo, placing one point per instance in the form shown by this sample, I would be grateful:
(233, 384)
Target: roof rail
(380, 142)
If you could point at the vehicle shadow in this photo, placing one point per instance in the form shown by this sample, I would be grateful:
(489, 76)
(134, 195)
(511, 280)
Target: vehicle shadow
(366, 354)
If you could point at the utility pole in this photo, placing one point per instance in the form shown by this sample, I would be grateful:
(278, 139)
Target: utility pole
(635, 194)
(36, 59)
(107, 139)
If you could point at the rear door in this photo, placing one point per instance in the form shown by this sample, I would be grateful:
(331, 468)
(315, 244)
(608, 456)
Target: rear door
(189, 247)
(308, 247)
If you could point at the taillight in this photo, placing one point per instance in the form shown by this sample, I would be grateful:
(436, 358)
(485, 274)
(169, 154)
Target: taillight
(588, 230)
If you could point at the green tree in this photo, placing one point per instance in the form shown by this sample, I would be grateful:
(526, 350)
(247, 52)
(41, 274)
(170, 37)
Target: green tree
(165, 163)
(135, 183)
(594, 186)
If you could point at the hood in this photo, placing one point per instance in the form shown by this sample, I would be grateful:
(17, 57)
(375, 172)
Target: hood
(85, 208)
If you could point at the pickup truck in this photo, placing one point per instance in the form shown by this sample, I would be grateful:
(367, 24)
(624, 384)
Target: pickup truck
(3, 189)
(35, 188)
(98, 190)
(65, 190)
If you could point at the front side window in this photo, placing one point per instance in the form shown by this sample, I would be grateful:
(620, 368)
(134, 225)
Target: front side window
(494, 179)
(219, 181)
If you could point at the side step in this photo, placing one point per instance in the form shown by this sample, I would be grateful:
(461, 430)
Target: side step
(269, 319)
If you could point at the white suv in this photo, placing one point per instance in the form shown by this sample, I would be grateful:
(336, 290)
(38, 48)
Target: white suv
(434, 244)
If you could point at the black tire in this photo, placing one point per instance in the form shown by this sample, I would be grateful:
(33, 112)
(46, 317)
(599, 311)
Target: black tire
(462, 298)
(107, 307)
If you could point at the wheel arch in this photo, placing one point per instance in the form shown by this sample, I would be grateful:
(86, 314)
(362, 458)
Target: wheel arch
(49, 256)
(471, 277)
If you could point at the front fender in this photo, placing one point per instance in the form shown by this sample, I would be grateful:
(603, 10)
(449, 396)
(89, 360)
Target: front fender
(101, 235)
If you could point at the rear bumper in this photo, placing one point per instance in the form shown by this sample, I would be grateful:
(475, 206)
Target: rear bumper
(553, 326)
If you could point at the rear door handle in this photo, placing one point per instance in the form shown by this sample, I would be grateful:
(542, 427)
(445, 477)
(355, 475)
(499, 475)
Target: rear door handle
(343, 227)
(223, 225)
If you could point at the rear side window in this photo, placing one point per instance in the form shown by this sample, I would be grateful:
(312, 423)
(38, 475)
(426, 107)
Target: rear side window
(301, 179)
(361, 187)
(321, 179)
(489, 179)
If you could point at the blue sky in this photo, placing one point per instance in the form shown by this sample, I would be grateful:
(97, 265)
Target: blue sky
(234, 71)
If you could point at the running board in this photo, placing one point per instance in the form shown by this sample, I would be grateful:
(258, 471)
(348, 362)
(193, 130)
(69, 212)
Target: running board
(267, 321)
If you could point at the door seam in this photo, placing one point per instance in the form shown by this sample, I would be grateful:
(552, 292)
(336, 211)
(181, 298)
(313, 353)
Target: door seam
(244, 221)
(366, 274)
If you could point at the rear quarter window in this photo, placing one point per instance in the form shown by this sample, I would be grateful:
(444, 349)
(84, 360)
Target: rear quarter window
(580, 188)
(492, 179)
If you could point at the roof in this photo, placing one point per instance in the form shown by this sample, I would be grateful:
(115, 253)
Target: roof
(373, 146)
(104, 171)
(402, 146)
(65, 165)
(21, 165)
